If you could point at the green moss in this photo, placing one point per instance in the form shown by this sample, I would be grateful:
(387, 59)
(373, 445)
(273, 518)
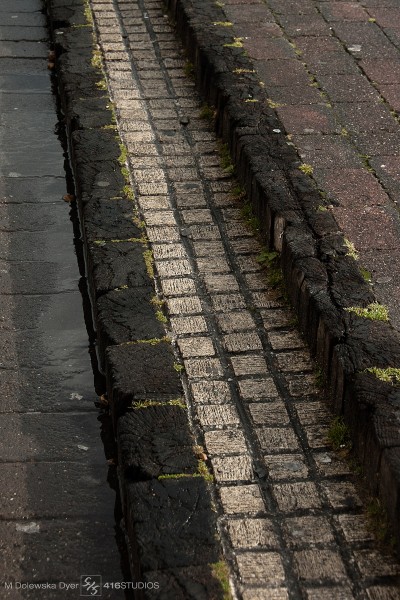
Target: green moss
(351, 249)
(121, 241)
(161, 317)
(149, 262)
(251, 100)
(147, 403)
(174, 476)
(223, 23)
(238, 192)
(221, 572)
(158, 302)
(207, 113)
(374, 312)
(149, 342)
(273, 104)
(88, 15)
(102, 85)
(123, 157)
(126, 174)
(270, 261)
(128, 192)
(179, 368)
(367, 275)
(389, 375)
(202, 471)
(97, 60)
(225, 159)
(243, 71)
(339, 434)
(306, 169)
(188, 69)
(237, 43)
(251, 219)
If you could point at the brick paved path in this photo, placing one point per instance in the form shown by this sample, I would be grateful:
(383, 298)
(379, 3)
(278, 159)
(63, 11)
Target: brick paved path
(332, 71)
(290, 515)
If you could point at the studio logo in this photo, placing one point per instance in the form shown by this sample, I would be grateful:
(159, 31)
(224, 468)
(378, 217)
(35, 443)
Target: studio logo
(91, 585)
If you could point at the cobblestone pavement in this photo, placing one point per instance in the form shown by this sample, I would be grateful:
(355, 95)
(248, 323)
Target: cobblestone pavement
(290, 513)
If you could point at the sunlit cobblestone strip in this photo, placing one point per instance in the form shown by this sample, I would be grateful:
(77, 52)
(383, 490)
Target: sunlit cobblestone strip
(288, 507)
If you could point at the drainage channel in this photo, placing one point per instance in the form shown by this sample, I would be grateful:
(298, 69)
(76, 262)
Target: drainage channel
(60, 514)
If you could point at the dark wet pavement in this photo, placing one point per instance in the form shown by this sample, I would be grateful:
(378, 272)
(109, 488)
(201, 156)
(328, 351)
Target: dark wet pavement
(57, 510)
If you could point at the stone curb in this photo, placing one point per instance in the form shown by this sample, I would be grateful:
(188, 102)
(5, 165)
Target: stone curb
(321, 279)
(166, 496)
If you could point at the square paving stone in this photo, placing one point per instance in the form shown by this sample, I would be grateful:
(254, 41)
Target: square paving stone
(252, 533)
(232, 468)
(186, 325)
(296, 496)
(196, 346)
(286, 466)
(249, 365)
(269, 413)
(225, 442)
(235, 321)
(238, 499)
(258, 389)
(203, 367)
(217, 415)
(342, 495)
(372, 564)
(354, 528)
(260, 593)
(308, 530)
(285, 340)
(319, 565)
(329, 464)
(260, 568)
(383, 592)
(211, 392)
(296, 361)
(178, 287)
(317, 436)
(228, 302)
(277, 439)
(339, 592)
(242, 342)
(189, 306)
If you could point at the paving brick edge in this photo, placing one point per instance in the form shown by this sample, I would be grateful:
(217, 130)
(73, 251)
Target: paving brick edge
(321, 279)
(169, 543)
